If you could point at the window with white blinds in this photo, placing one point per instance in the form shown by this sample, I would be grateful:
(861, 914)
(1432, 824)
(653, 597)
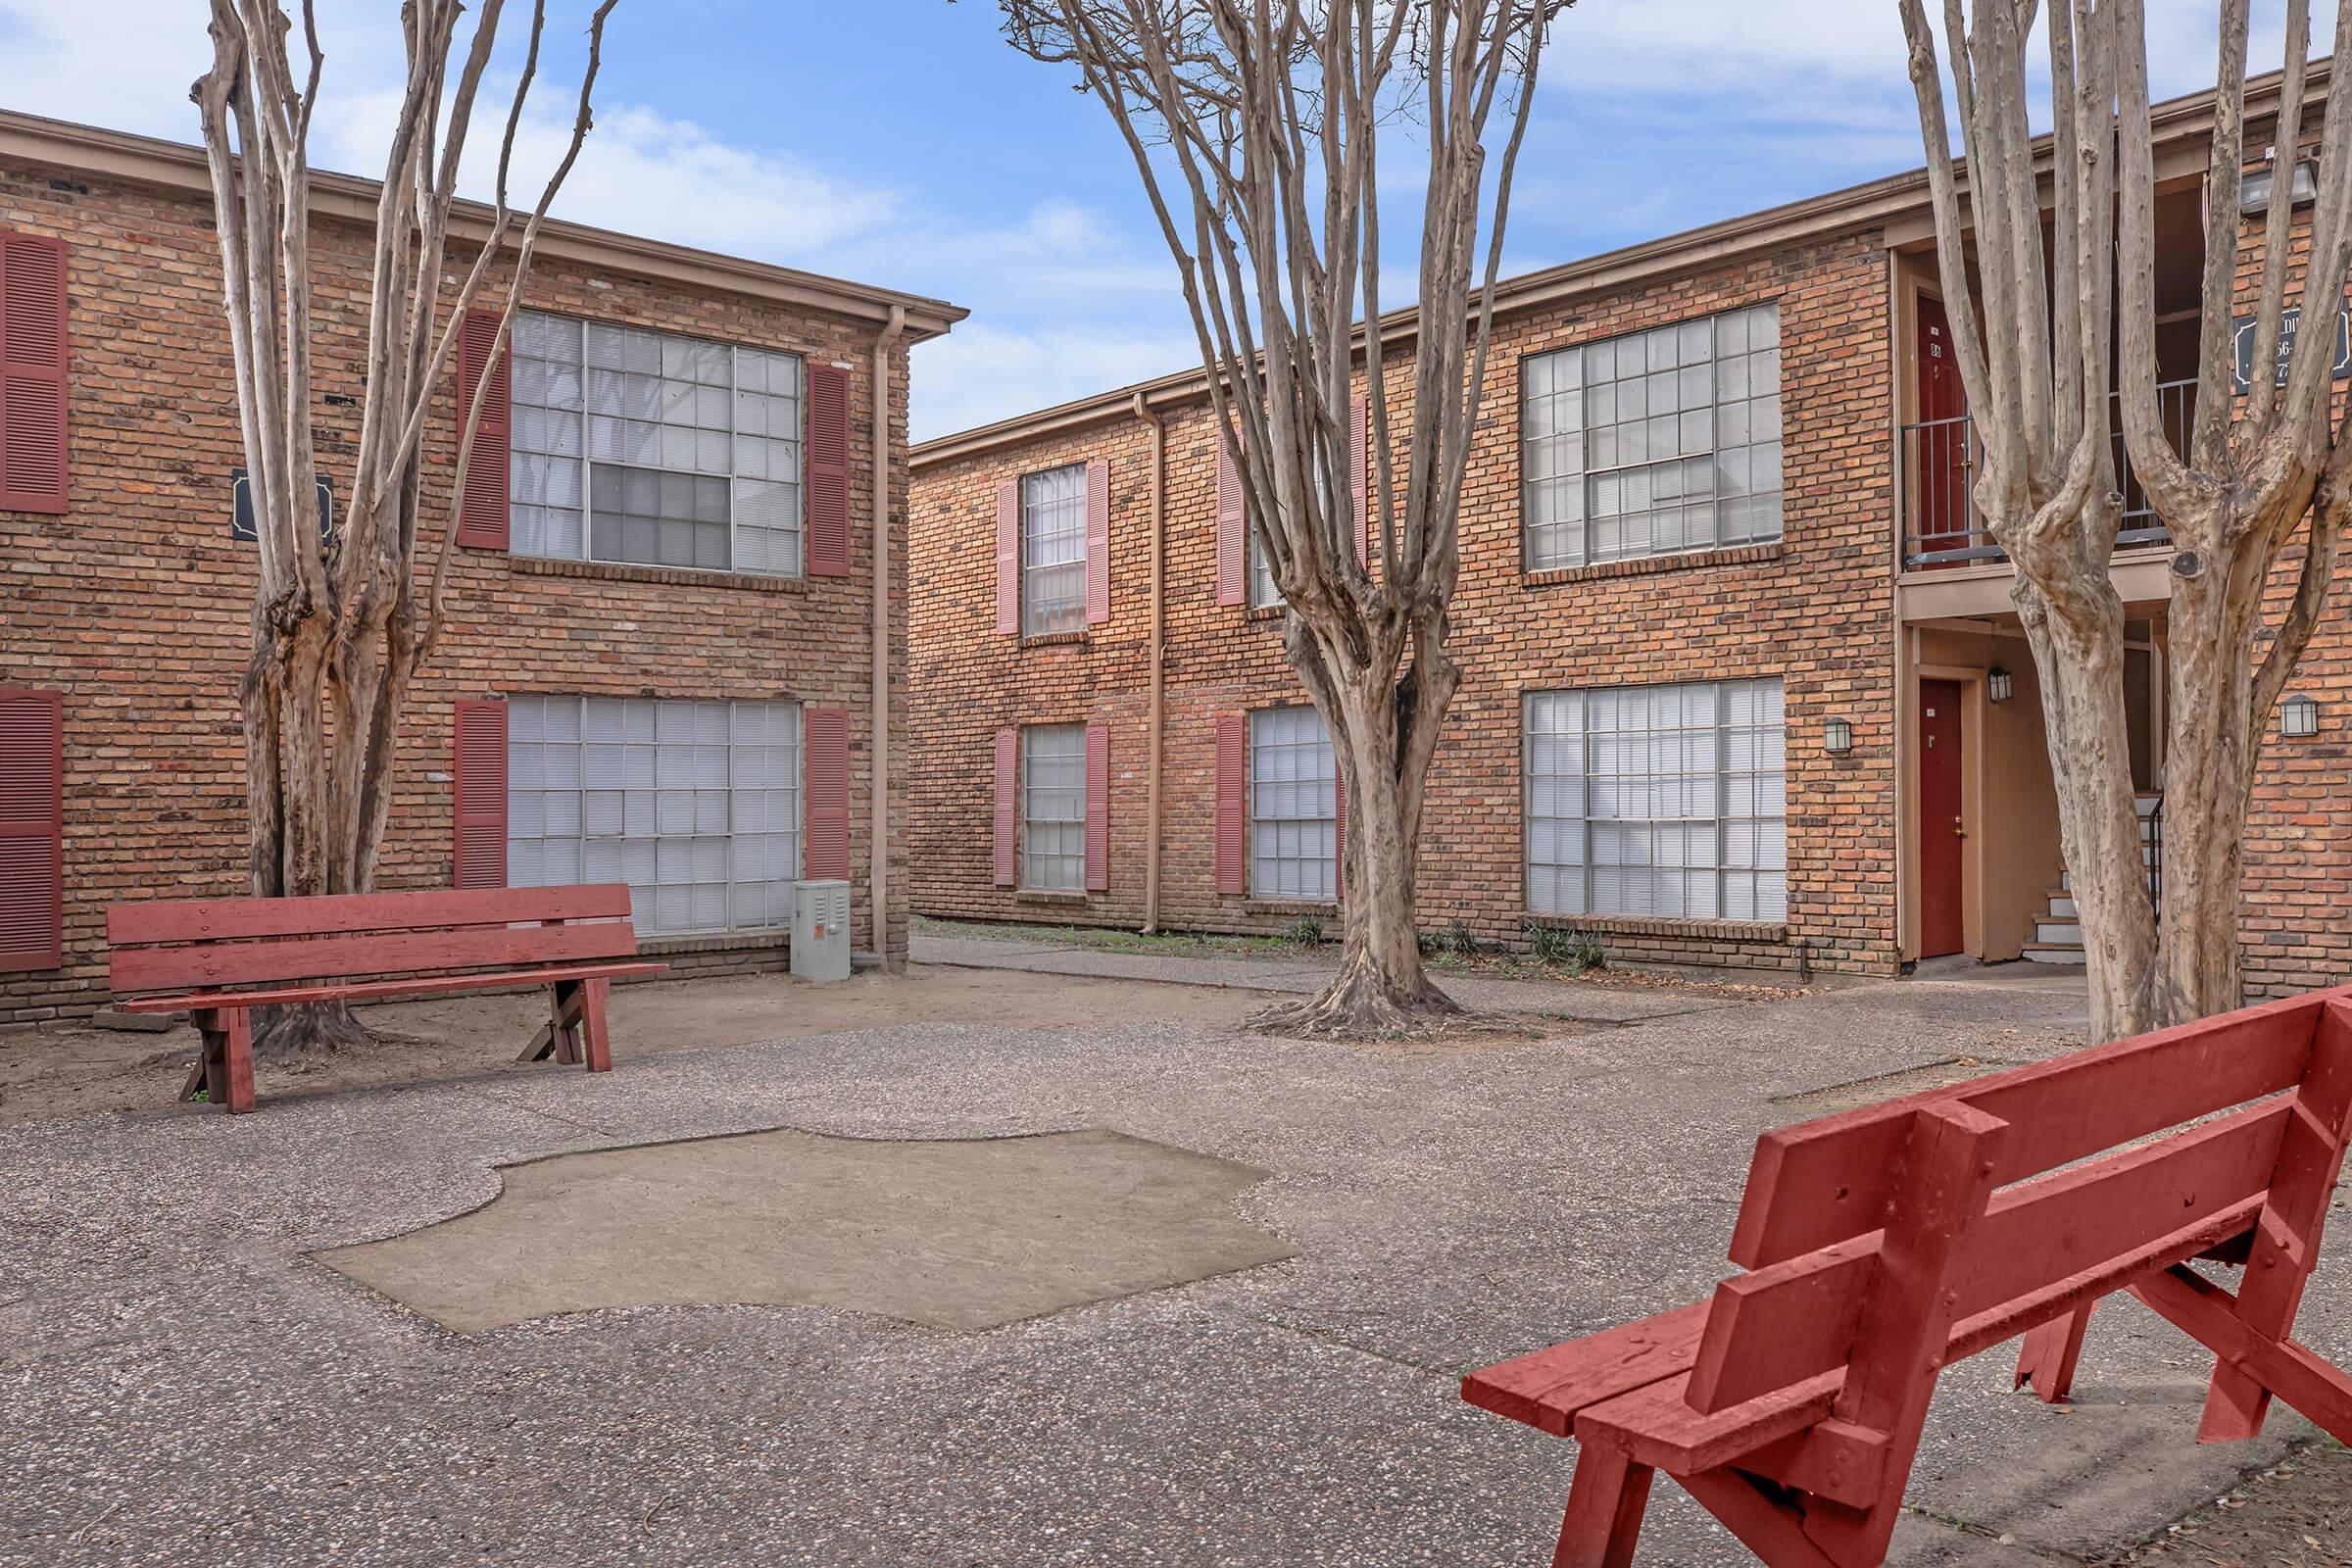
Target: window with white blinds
(1653, 443)
(1294, 805)
(695, 805)
(1660, 800)
(1054, 807)
(638, 446)
(1053, 551)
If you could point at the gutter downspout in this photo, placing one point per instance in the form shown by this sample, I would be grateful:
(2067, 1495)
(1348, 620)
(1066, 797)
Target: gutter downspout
(877, 857)
(1159, 655)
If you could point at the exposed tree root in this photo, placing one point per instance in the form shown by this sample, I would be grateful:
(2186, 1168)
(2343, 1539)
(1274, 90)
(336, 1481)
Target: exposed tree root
(1364, 1003)
(310, 1029)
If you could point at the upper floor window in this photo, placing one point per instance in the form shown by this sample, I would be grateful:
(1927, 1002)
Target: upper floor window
(1660, 800)
(1053, 551)
(1653, 443)
(1263, 595)
(638, 446)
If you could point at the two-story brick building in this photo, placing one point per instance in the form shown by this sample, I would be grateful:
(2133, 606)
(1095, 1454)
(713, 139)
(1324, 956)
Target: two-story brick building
(1742, 681)
(683, 628)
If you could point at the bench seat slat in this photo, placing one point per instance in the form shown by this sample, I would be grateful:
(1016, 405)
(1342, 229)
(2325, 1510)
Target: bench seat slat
(419, 986)
(230, 964)
(1547, 1389)
(1830, 1180)
(228, 919)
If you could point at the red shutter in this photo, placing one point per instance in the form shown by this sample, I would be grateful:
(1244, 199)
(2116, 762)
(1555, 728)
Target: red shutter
(1098, 541)
(482, 511)
(1360, 454)
(828, 417)
(31, 829)
(1008, 789)
(1097, 808)
(826, 857)
(1232, 518)
(33, 374)
(1008, 559)
(1233, 802)
(480, 859)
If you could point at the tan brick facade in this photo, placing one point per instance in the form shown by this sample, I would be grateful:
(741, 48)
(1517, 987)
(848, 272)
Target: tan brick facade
(1812, 609)
(134, 603)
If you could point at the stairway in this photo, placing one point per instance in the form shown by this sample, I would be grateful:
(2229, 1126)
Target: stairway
(2057, 935)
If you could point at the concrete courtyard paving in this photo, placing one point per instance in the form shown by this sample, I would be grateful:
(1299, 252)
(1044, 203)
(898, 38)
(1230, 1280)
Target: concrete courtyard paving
(181, 1382)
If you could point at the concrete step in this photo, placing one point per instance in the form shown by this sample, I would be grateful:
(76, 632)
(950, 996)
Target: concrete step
(2052, 952)
(2061, 905)
(2058, 933)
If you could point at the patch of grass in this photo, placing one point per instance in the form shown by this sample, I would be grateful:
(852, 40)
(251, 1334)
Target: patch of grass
(1460, 940)
(1562, 947)
(1109, 939)
(1307, 931)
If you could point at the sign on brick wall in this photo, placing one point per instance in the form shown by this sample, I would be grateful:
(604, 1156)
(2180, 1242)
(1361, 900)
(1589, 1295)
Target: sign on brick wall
(241, 524)
(2242, 341)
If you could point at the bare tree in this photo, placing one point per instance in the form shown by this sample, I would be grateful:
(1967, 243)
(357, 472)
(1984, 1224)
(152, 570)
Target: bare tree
(1255, 126)
(2038, 388)
(341, 624)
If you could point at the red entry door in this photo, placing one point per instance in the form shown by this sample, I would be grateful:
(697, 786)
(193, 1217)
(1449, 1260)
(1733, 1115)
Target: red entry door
(1940, 485)
(1939, 824)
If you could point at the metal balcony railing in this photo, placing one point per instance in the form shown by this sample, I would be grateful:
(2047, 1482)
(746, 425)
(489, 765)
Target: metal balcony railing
(1935, 463)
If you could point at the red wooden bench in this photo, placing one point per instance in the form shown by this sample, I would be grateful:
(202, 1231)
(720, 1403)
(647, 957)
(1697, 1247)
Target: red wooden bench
(217, 959)
(1884, 1244)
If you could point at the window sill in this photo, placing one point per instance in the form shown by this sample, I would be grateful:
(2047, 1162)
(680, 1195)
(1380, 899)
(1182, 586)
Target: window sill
(1052, 639)
(1266, 611)
(1666, 926)
(1291, 907)
(715, 942)
(674, 576)
(1064, 895)
(1647, 566)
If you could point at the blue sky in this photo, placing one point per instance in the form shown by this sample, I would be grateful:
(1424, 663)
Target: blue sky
(902, 142)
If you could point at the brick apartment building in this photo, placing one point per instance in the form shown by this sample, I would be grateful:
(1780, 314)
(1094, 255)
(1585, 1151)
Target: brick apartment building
(1744, 685)
(669, 644)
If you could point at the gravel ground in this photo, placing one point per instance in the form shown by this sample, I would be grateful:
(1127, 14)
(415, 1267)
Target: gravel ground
(181, 1383)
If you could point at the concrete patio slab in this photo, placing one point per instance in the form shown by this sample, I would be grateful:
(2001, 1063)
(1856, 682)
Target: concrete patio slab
(955, 1233)
(181, 1383)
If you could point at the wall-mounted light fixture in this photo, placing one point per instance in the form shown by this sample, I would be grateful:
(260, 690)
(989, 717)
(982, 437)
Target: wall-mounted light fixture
(2299, 718)
(1999, 684)
(2254, 188)
(1838, 737)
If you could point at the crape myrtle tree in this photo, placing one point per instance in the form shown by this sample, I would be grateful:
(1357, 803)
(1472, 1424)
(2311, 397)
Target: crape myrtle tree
(2043, 342)
(342, 623)
(1256, 127)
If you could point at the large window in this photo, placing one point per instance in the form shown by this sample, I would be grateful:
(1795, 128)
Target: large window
(1653, 443)
(1053, 551)
(639, 446)
(1294, 806)
(1664, 801)
(1054, 807)
(695, 805)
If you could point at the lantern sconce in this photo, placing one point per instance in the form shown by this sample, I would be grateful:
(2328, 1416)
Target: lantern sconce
(2299, 718)
(1999, 684)
(1838, 737)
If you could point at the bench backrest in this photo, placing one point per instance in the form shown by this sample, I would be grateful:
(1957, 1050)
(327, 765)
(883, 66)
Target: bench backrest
(2059, 1222)
(211, 942)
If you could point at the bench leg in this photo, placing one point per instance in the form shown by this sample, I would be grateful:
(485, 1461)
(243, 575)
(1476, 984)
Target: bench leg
(559, 1036)
(592, 1024)
(224, 1069)
(2050, 1351)
(1605, 1504)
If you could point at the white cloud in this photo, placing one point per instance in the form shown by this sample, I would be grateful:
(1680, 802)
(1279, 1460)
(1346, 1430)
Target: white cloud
(981, 373)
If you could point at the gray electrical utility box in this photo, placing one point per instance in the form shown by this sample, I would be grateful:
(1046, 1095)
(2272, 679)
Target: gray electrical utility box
(821, 930)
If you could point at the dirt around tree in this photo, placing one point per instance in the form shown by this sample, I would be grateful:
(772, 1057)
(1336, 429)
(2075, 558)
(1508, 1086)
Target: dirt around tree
(2294, 1515)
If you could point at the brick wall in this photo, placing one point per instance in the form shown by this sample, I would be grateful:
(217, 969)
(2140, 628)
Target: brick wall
(134, 603)
(1812, 609)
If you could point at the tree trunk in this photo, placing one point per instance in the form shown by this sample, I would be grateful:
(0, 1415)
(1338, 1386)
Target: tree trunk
(2208, 769)
(2080, 658)
(1381, 988)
